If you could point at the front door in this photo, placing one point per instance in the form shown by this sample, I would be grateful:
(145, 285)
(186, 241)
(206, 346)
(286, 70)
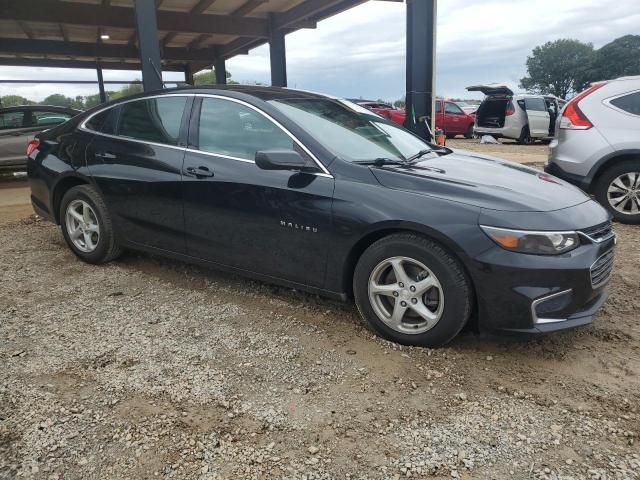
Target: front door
(138, 169)
(538, 116)
(275, 223)
(454, 119)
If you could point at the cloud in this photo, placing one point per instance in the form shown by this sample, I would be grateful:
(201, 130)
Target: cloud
(361, 52)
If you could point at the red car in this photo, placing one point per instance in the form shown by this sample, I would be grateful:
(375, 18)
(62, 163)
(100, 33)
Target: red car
(449, 116)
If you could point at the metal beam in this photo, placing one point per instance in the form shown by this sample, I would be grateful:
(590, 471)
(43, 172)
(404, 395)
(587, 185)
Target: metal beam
(247, 7)
(147, 30)
(221, 71)
(104, 50)
(72, 13)
(188, 74)
(103, 94)
(88, 64)
(421, 52)
(277, 54)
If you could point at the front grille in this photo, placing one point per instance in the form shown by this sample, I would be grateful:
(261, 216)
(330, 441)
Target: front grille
(599, 233)
(601, 269)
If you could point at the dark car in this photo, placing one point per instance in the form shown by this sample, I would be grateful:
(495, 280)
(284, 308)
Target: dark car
(18, 125)
(318, 194)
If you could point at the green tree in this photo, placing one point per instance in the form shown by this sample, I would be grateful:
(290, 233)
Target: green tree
(59, 100)
(130, 89)
(209, 78)
(14, 101)
(562, 68)
(620, 58)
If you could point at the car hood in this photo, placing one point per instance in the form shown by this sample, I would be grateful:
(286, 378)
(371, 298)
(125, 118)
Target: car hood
(482, 181)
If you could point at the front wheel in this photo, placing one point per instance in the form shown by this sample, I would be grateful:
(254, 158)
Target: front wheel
(618, 190)
(412, 291)
(470, 133)
(87, 226)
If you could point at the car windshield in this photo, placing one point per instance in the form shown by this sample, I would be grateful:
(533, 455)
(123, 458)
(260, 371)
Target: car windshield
(350, 131)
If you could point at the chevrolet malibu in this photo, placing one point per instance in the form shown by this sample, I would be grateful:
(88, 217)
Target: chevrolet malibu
(318, 194)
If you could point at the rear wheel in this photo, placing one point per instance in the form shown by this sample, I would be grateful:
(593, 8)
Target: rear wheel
(412, 291)
(618, 190)
(86, 225)
(525, 137)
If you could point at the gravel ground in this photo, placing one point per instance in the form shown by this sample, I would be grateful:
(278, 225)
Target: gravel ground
(147, 368)
(508, 149)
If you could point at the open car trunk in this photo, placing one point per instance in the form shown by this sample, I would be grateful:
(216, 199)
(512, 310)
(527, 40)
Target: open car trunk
(492, 112)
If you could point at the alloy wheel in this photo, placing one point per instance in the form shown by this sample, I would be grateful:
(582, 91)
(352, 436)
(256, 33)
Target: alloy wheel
(623, 193)
(82, 226)
(406, 295)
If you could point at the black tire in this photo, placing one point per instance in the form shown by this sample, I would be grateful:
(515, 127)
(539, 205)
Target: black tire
(470, 132)
(451, 136)
(602, 186)
(447, 269)
(106, 248)
(525, 137)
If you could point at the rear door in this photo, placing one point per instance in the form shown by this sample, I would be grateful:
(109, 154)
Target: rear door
(136, 162)
(14, 135)
(538, 116)
(275, 223)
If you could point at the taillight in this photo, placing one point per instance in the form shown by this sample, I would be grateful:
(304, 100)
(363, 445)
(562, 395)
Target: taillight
(572, 117)
(510, 109)
(32, 146)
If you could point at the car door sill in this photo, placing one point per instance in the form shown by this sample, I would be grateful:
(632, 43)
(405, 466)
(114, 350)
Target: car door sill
(342, 296)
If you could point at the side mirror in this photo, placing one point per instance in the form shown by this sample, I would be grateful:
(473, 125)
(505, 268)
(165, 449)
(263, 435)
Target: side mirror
(280, 160)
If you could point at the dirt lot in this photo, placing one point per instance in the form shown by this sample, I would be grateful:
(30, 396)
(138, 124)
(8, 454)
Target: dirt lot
(147, 368)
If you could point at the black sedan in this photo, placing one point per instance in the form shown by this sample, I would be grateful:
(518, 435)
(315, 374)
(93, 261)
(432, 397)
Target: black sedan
(319, 194)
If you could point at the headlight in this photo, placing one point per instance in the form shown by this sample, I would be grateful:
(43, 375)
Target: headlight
(537, 243)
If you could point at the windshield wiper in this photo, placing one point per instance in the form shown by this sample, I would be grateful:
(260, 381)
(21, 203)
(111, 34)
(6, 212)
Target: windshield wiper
(379, 162)
(422, 153)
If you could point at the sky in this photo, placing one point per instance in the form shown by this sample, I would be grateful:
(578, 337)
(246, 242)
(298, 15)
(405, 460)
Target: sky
(361, 53)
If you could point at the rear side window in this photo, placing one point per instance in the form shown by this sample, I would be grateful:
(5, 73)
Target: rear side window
(438, 107)
(10, 120)
(629, 103)
(232, 129)
(155, 120)
(104, 122)
(535, 104)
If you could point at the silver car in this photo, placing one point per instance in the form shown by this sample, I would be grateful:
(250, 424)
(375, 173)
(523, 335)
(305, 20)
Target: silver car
(598, 146)
(18, 126)
(522, 117)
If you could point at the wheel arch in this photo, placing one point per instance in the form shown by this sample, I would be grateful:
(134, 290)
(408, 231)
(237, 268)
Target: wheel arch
(607, 162)
(61, 187)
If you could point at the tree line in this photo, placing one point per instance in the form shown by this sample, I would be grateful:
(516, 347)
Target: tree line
(85, 102)
(565, 67)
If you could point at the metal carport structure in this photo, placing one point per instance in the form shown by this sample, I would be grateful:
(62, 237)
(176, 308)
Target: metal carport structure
(189, 36)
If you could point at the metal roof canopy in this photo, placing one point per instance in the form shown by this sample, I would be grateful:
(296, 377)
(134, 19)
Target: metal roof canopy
(187, 36)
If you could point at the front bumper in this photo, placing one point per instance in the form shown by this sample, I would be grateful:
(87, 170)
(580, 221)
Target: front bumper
(539, 294)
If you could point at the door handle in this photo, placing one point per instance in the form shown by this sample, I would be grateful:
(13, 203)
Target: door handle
(198, 172)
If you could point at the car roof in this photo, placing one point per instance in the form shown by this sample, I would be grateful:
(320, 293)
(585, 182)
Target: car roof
(259, 91)
(52, 108)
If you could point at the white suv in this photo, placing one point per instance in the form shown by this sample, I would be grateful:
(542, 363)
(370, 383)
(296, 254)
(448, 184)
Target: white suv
(522, 117)
(598, 146)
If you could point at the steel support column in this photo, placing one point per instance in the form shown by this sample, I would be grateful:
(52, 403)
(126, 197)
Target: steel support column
(147, 31)
(188, 74)
(278, 54)
(220, 68)
(421, 64)
(103, 94)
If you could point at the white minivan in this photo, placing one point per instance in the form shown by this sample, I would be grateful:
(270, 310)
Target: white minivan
(522, 117)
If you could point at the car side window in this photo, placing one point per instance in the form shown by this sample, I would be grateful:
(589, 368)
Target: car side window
(535, 104)
(155, 120)
(438, 107)
(104, 122)
(453, 108)
(232, 129)
(9, 120)
(48, 118)
(629, 103)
